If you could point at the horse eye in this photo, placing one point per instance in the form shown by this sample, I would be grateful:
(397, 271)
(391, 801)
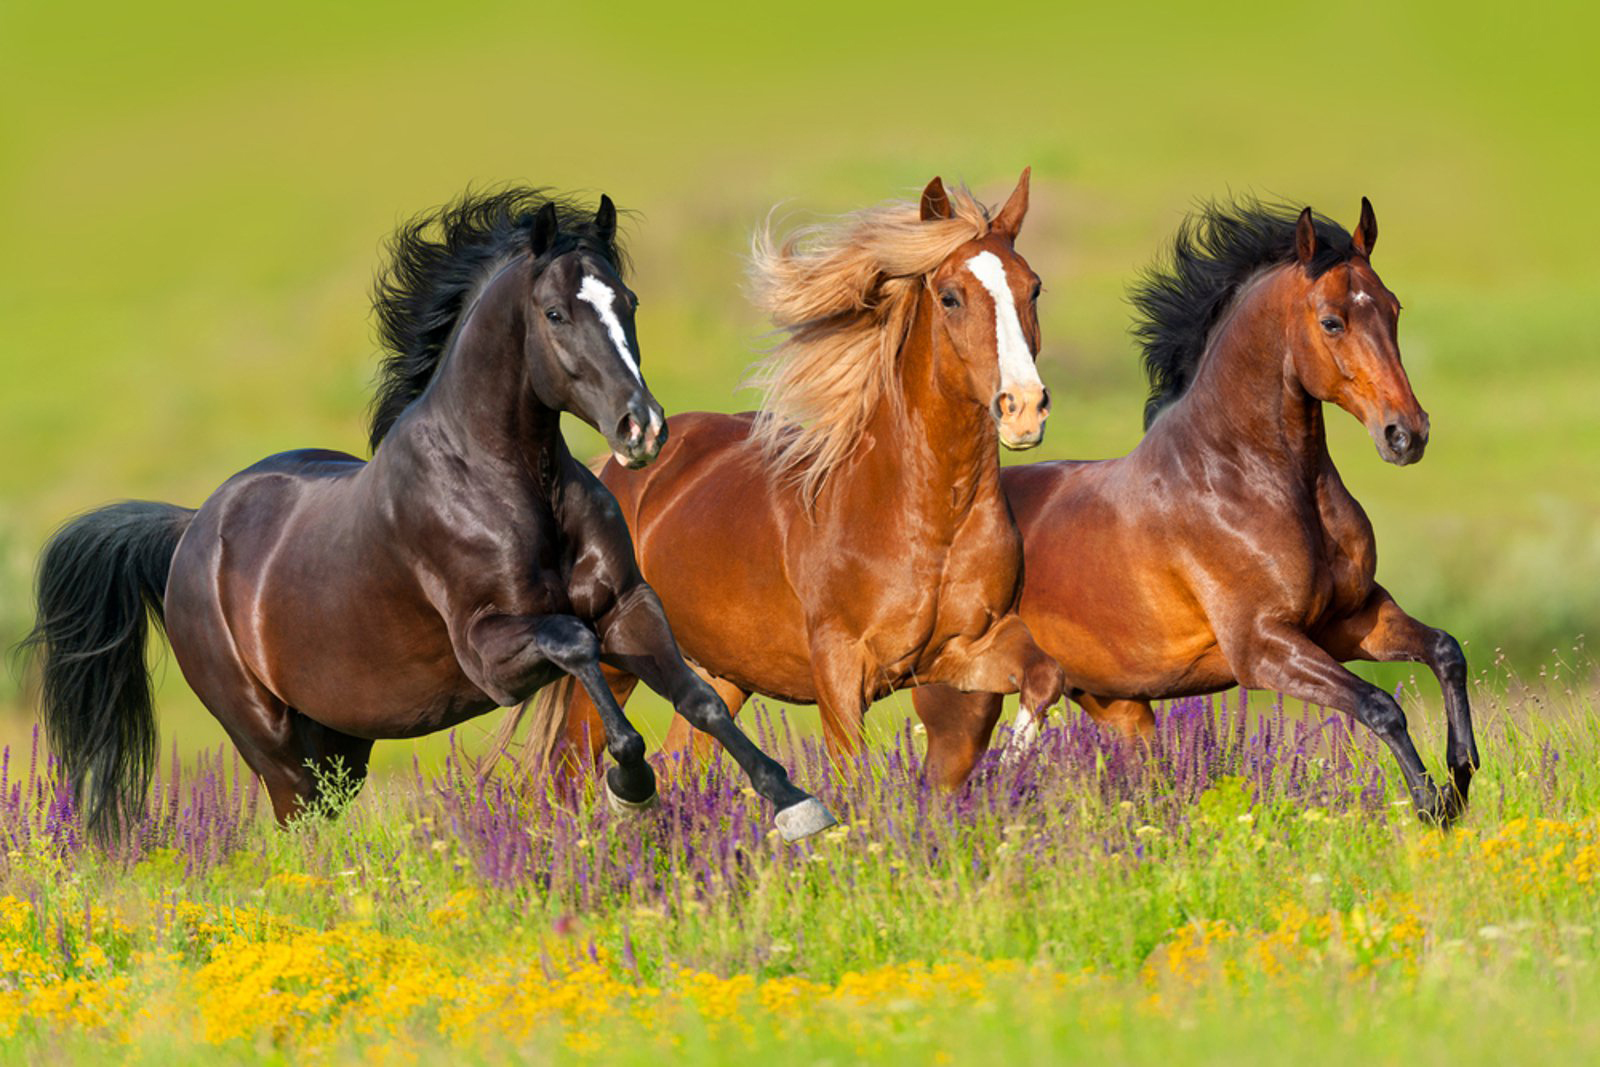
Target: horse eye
(1332, 325)
(1037, 289)
(950, 300)
(553, 315)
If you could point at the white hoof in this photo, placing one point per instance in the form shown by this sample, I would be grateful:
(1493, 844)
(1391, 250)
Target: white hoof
(801, 820)
(620, 806)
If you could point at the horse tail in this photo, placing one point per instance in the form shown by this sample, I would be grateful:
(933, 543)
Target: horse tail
(99, 577)
(549, 718)
(548, 725)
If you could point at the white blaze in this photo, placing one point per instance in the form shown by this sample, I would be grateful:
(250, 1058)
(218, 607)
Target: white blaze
(600, 296)
(1016, 359)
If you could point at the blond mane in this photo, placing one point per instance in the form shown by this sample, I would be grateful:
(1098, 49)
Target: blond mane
(842, 295)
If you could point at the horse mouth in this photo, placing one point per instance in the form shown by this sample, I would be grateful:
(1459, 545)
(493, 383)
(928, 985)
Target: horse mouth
(1022, 442)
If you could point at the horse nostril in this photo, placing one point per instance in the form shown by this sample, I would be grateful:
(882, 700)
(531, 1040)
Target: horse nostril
(1004, 406)
(629, 430)
(1044, 402)
(1398, 438)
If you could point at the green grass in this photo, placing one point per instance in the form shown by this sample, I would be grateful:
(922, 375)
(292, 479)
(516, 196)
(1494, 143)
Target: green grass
(1392, 941)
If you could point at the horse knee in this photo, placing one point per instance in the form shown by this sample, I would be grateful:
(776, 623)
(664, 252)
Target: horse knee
(1448, 656)
(1380, 712)
(568, 643)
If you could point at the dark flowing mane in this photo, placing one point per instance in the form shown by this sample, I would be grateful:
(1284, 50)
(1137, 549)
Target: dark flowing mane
(1218, 248)
(437, 260)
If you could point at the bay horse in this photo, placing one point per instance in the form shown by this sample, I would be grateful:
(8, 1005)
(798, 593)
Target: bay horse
(851, 538)
(1225, 550)
(316, 602)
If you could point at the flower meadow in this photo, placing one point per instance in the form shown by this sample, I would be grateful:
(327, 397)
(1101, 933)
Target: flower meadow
(1249, 885)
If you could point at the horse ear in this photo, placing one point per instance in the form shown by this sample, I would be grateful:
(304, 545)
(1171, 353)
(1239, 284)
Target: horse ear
(1366, 234)
(1009, 221)
(1305, 239)
(935, 201)
(605, 220)
(545, 227)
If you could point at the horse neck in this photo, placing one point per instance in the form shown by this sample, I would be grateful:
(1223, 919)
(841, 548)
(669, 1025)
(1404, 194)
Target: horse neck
(1246, 398)
(933, 448)
(482, 399)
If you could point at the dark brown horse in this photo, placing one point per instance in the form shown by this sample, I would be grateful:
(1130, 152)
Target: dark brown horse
(317, 602)
(1225, 549)
(851, 538)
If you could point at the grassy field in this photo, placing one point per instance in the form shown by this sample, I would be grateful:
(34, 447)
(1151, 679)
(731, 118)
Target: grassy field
(192, 202)
(1251, 888)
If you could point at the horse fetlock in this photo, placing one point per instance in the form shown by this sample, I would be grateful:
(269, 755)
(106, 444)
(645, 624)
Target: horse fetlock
(627, 750)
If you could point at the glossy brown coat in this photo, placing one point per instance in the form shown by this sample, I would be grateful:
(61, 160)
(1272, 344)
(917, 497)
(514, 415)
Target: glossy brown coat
(907, 567)
(1225, 549)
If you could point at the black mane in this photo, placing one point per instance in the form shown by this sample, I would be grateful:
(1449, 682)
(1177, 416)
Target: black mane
(1220, 246)
(437, 260)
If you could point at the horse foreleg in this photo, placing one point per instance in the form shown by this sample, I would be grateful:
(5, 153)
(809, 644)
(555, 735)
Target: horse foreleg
(639, 641)
(585, 734)
(1382, 631)
(683, 739)
(1288, 661)
(959, 727)
(839, 674)
(512, 655)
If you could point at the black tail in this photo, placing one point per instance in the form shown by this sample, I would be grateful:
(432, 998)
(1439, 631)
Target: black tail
(97, 577)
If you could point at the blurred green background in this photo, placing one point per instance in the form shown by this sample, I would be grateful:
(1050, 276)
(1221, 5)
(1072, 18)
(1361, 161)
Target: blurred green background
(192, 200)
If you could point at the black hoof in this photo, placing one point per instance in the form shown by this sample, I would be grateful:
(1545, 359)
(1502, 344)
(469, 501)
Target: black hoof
(1441, 808)
(635, 789)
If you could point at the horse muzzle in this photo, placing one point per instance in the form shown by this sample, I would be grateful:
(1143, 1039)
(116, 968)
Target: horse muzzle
(1019, 413)
(639, 436)
(1402, 440)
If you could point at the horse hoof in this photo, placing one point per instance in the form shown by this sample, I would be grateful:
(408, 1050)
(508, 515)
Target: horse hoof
(799, 821)
(623, 806)
(1444, 808)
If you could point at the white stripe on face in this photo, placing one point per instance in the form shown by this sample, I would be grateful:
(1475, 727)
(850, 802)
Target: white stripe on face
(1016, 359)
(603, 298)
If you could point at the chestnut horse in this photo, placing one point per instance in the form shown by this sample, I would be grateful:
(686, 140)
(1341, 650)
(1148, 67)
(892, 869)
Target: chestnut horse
(316, 603)
(851, 538)
(1225, 549)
